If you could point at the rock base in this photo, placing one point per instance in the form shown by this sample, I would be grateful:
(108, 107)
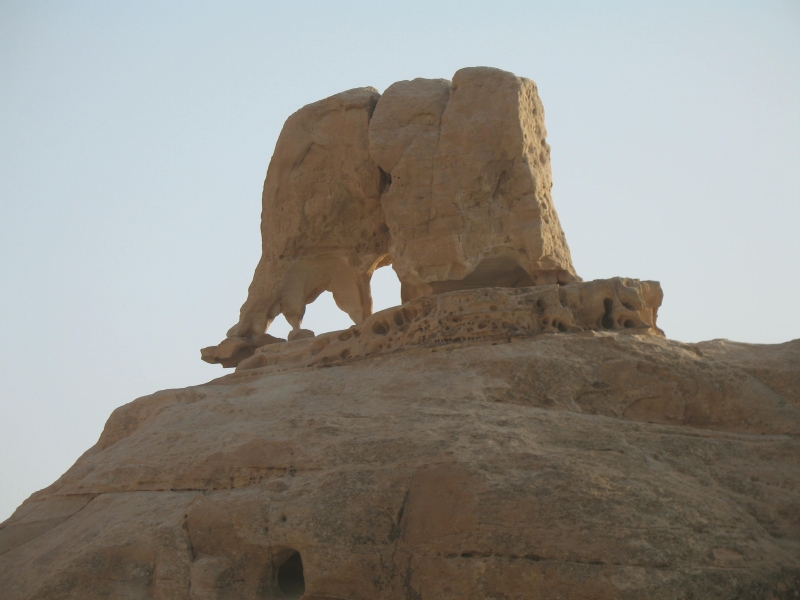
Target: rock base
(595, 465)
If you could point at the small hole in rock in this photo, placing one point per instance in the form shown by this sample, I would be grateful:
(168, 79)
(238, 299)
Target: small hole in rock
(379, 329)
(607, 321)
(385, 181)
(629, 323)
(291, 581)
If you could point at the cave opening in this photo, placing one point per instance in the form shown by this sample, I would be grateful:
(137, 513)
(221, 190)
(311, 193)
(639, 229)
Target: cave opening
(291, 581)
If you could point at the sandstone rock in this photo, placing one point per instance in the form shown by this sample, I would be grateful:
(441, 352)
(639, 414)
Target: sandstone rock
(322, 225)
(461, 199)
(572, 465)
(233, 350)
(300, 334)
(508, 432)
(469, 202)
(774, 364)
(479, 316)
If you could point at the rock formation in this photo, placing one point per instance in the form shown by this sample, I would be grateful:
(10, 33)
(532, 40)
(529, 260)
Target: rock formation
(322, 227)
(469, 202)
(449, 183)
(482, 315)
(508, 432)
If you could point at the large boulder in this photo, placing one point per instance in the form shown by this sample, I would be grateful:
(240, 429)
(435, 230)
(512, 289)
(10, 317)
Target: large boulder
(468, 203)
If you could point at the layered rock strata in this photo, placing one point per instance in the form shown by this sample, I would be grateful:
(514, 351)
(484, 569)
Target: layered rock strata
(590, 465)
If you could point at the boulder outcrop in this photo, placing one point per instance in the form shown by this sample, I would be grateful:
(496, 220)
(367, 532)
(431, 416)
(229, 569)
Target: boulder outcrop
(469, 204)
(476, 316)
(508, 431)
(448, 182)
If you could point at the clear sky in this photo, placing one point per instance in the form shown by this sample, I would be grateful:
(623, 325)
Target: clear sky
(134, 138)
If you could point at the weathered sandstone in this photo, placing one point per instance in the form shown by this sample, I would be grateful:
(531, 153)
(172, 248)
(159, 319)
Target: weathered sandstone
(469, 201)
(449, 183)
(322, 226)
(475, 316)
(508, 432)
(589, 465)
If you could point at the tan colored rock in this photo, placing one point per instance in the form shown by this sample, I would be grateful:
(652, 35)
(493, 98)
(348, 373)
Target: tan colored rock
(478, 316)
(464, 182)
(322, 226)
(774, 364)
(489, 438)
(469, 201)
(589, 465)
(233, 350)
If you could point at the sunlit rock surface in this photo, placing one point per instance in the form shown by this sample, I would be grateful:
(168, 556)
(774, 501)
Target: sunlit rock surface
(468, 203)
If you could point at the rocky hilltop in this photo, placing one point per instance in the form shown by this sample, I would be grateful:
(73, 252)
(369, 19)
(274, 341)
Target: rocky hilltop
(509, 431)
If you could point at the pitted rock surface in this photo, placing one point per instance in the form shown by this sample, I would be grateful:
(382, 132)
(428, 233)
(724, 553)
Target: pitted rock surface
(507, 432)
(478, 316)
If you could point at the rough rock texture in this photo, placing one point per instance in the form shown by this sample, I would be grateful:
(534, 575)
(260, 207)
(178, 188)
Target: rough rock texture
(482, 315)
(589, 465)
(508, 432)
(450, 183)
(234, 349)
(322, 227)
(469, 201)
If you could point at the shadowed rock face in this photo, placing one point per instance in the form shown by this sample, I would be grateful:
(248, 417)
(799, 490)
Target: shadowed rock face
(596, 465)
(448, 182)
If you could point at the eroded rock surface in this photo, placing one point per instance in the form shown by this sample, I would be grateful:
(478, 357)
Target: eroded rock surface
(508, 432)
(478, 316)
(469, 201)
(595, 465)
(322, 226)
(448, 182)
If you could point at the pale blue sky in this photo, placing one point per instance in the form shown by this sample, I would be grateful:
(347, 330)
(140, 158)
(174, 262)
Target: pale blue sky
(134, 138)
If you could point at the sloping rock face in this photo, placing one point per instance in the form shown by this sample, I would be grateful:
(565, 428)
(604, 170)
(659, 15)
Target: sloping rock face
(586, 465)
